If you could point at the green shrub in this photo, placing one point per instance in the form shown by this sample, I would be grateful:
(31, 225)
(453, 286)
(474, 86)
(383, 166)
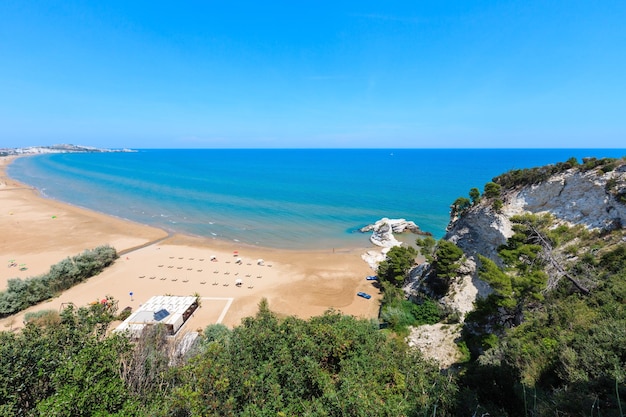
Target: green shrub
(492, 190)
(21, 294)
(465, 352)
(426, 312)
(396, 266)
(460, 206)
(447, 257)
(427, 247)
(608, 167)
(592, 163)
(615, 260)
(216, 333)
(489, 341)
(400, 313)
(42, 317)
(611, 183)
(397, 317)
(474, 194)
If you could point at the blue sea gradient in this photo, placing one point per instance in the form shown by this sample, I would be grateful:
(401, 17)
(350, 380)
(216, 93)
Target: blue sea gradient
(280, 198)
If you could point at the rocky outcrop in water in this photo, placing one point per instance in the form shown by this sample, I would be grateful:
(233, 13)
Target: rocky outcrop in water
(383, 231)
(383, 236)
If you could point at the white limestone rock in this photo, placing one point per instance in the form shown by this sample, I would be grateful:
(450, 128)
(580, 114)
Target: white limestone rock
(480, 230)
(383, 231)
(373, 257)
(578, 198)
(573, 197)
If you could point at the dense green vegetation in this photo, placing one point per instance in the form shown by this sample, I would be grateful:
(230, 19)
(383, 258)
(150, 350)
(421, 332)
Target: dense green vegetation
(492, 191)
(398, 313)
(461, 204)
(328, 365)
(399, 261)
(64, 366)
(529, 176)
(427, 247)
(21, 294)
(550, 337)
(446, 261)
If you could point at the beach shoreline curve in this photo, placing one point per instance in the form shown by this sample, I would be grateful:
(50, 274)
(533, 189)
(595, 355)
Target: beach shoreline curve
(41, 231)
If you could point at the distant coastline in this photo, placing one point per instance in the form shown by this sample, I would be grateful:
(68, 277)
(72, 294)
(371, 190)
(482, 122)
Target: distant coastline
(63, 148)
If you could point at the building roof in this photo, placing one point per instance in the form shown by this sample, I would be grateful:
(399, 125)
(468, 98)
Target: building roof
(164, 309)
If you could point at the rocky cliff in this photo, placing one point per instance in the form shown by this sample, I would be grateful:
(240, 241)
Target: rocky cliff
(592, 194)
(592, 198)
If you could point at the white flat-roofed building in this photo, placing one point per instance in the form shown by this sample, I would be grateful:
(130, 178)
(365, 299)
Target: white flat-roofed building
(171, 311)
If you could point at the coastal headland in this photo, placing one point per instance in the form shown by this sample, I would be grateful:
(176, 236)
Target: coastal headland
(39, 232)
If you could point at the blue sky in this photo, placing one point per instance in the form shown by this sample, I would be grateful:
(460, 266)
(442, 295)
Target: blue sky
(204, 74)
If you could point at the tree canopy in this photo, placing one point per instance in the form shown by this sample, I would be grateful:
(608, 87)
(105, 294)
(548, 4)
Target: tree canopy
(329, 365)
(395, 267)
(540, 333)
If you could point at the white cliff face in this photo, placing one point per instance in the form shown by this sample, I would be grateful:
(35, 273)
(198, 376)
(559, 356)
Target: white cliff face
(481, 230)
(577, 197)
(574, 197)
(586, 198)
(464, 289)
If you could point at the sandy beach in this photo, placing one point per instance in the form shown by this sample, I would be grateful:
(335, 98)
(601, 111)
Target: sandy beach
(39, 232)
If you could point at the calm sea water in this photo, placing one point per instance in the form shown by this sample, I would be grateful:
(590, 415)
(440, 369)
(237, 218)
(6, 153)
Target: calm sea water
(300, 199)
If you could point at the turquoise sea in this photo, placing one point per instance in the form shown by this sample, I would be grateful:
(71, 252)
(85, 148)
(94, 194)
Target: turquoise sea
(282, 198)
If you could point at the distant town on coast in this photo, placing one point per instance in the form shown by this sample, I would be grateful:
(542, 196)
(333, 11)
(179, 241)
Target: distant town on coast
(64, 148)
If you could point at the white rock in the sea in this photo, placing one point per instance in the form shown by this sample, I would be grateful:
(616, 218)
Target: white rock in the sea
(383, 230)
(383, 236)
(397, 225)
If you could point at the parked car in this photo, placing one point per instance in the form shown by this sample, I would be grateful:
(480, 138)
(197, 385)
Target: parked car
(364, 295)
(371, 278)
